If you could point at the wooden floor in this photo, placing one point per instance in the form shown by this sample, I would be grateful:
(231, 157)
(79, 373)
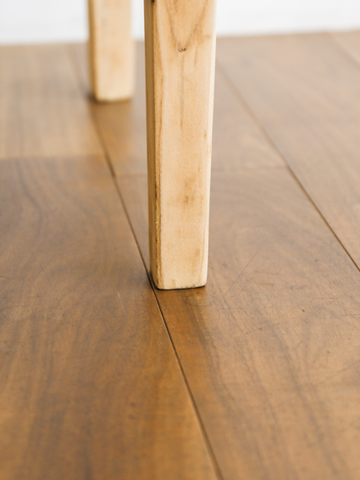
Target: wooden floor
(254, 377)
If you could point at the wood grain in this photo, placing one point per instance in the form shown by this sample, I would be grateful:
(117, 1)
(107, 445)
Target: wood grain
(90, 386)
(42, 111)
(270, 347)
(180, 61)
(111, 49)
(305, 91)
(237, 139)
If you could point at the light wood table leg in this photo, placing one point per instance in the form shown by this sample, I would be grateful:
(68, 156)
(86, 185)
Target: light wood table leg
(111, 49)
(180, 59)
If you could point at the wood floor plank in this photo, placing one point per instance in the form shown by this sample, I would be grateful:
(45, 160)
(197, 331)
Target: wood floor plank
(42, 111)
(89, 383)
(237, 139)
(305, 90)
(238, 142)
(270, 347)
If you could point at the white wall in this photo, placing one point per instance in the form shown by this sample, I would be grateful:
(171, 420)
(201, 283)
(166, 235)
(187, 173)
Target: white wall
(65, 20)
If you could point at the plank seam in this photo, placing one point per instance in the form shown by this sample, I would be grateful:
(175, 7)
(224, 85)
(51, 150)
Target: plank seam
(187, 386)
(197, 413)
(208, 445)
(273, 144)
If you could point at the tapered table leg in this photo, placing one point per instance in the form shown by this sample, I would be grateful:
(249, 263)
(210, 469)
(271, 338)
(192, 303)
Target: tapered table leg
(180, 57)
(111, 49)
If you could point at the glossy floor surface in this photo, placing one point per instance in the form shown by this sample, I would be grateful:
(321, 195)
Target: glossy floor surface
(254, 377)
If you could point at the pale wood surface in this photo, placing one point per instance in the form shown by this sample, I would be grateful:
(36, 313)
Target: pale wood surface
(111, 49)
(41, 110)
(304, 90)
(90, 384)
(180, 61)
